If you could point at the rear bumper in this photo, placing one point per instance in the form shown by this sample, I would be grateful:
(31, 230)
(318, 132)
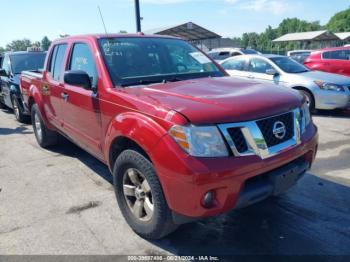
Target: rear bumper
(185, 179)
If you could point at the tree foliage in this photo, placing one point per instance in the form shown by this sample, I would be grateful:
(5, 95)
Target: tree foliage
(263, 41)
(340, 22)
(45, 43)
(19, 45)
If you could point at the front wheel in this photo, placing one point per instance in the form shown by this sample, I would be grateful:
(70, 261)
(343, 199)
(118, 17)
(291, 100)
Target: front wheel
(310, 101)
(140, 196)
(44, 136)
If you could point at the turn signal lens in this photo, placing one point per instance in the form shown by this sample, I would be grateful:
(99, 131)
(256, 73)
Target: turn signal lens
(178, 133)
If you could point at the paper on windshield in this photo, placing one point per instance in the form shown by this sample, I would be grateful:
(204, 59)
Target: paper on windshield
(198, 56)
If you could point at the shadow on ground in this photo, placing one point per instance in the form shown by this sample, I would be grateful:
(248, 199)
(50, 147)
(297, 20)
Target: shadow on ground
(338, 113)
(312, 218)
(67, 148)
(23, 129)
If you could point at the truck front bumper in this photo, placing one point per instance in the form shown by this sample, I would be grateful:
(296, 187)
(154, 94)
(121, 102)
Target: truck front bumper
(234, 181)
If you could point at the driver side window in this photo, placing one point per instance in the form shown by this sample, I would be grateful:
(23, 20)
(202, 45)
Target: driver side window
(257, 65)
(6, 64)
(82, 59)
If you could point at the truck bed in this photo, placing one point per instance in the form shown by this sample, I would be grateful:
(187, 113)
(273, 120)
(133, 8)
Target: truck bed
(27, 80)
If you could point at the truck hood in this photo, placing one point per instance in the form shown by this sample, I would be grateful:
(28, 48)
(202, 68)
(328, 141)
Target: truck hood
(219, 100)
(326, 77)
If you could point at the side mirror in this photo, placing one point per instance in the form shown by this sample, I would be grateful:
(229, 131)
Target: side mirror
(3, 73)
(272, 72)
(78, 78)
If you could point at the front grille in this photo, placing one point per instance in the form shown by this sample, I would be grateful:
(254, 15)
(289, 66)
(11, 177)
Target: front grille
(266, 127)
(238, 138)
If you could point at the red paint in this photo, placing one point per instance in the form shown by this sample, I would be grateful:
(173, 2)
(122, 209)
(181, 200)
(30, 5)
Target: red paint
(146, 114)
(316, 61)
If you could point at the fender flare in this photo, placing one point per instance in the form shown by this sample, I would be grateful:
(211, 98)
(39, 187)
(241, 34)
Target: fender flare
(147, 135)
(36, 96)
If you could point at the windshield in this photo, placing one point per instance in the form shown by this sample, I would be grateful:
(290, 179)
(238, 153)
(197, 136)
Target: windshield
(288, 65)
(133, 61)
(29, 61)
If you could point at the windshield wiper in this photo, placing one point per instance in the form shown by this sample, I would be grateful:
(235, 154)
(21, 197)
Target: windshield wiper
(141, 82)
(173, 79)
(149, 82)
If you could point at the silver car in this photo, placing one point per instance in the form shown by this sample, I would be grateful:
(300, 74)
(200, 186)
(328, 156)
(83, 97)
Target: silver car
(322, 90)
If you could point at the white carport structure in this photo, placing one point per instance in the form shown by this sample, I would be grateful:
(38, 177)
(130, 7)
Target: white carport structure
(320, 39)
(344, 37)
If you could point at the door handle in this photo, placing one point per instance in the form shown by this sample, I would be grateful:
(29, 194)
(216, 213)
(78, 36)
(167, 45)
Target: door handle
(250, 76)
(64, 96)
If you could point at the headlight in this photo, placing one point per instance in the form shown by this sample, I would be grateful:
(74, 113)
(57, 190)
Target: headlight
(329, 86)
(305, 117)
(200, 141)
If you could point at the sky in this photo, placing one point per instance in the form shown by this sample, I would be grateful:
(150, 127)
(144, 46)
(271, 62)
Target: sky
(34, 19)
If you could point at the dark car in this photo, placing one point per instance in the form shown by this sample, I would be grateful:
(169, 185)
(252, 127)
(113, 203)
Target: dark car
(12, 65)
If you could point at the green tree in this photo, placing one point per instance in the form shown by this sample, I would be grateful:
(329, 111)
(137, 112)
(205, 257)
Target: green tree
(19, 45)
(2, 50)
(340, 22)
(45, 43)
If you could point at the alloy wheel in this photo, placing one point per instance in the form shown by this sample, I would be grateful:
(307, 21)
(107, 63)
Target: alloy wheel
(16, 108)
(37, 124)
(138, 195)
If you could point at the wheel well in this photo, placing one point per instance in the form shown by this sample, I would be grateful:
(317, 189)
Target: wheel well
(123, 143)
(31, 101)
(304, 89)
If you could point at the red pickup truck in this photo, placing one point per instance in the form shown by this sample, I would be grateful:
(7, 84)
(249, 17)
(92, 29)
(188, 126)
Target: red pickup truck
(183, 140)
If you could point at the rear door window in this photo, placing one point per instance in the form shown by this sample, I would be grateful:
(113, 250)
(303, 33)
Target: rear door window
(337, 55)
(56, 62)
(234, 64)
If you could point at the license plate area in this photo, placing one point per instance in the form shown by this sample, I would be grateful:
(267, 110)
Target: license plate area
(287, 176)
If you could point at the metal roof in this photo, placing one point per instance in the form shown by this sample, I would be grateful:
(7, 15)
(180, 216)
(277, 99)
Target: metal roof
(343, 36)
(188, 31)
(307, 36)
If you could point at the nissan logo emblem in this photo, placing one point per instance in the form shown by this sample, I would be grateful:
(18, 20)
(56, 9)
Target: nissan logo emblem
(279, 130)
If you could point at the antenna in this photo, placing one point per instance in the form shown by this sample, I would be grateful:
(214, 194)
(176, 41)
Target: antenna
(103, 22)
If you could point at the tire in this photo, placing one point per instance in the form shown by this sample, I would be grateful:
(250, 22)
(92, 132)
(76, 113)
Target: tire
(157, 222)
(310, 100)
(18, 110)
(44, 136)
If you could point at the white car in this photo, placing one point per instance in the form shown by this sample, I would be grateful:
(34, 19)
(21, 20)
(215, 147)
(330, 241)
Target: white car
(322, 90)
(220, 54)
(299, 55)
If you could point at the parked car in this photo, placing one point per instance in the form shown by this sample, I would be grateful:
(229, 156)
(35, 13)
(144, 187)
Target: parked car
(182, 140)
(13, 64)
(322, 90)
(299, 55)
(220, 54)
(333, 60)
